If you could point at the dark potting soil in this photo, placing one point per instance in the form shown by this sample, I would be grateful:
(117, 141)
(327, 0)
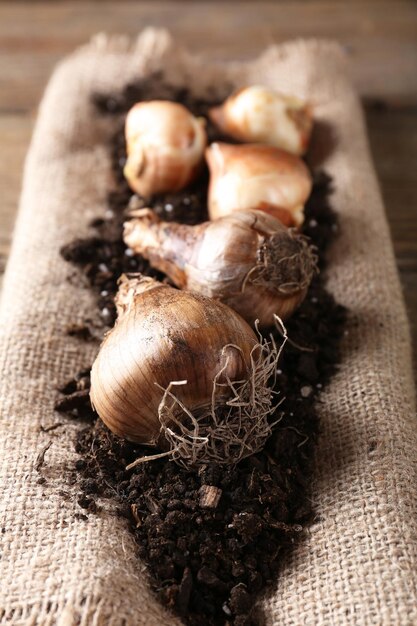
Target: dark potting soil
(212, 539)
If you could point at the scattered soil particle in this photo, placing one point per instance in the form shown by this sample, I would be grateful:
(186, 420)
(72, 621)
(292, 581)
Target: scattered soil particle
(48, 429)
(72, 401)
(81, 331)
(40, 459)
(207, 559)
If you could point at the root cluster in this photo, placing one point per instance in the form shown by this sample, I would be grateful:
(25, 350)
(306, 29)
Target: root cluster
(229, 430)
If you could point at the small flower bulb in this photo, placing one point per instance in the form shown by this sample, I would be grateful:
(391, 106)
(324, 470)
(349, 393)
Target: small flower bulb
(260, 115)
(165, 147)
(260, 177)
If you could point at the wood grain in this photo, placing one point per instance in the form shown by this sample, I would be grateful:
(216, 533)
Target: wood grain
(380, 38)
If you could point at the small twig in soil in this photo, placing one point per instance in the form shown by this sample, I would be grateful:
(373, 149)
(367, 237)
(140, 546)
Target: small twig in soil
(145, 459)
(184, 592)
(135, 514)
(210, 496)
(75, 400)
(40, 459)
(47, 429)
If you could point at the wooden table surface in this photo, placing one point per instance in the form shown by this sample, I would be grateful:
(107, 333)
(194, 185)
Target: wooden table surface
(380, 37)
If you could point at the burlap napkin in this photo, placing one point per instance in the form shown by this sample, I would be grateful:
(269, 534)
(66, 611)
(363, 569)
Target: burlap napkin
(357, 565)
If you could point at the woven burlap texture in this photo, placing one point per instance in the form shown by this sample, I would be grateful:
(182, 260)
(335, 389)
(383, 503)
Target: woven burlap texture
(357, 564)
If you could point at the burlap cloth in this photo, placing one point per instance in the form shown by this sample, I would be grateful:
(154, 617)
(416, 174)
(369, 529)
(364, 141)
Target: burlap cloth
(357, 564)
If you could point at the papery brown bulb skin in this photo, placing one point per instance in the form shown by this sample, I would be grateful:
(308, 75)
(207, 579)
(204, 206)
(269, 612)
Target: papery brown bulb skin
(257, 114)
(248, 260)
(165, 147)
(164, 335)
(255, 176)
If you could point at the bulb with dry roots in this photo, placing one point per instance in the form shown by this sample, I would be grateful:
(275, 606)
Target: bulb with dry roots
(184, 373)
(165, 147)
(257, 177)
(261, 115)
(248, 260)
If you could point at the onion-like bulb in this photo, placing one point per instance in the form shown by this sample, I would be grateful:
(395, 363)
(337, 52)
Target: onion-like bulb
(165, 147)
(257, 177)
(185, 373)
(248, 260)
(261, 115)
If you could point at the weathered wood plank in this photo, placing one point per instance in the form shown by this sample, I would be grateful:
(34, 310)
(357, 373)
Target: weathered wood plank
(380, 37)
